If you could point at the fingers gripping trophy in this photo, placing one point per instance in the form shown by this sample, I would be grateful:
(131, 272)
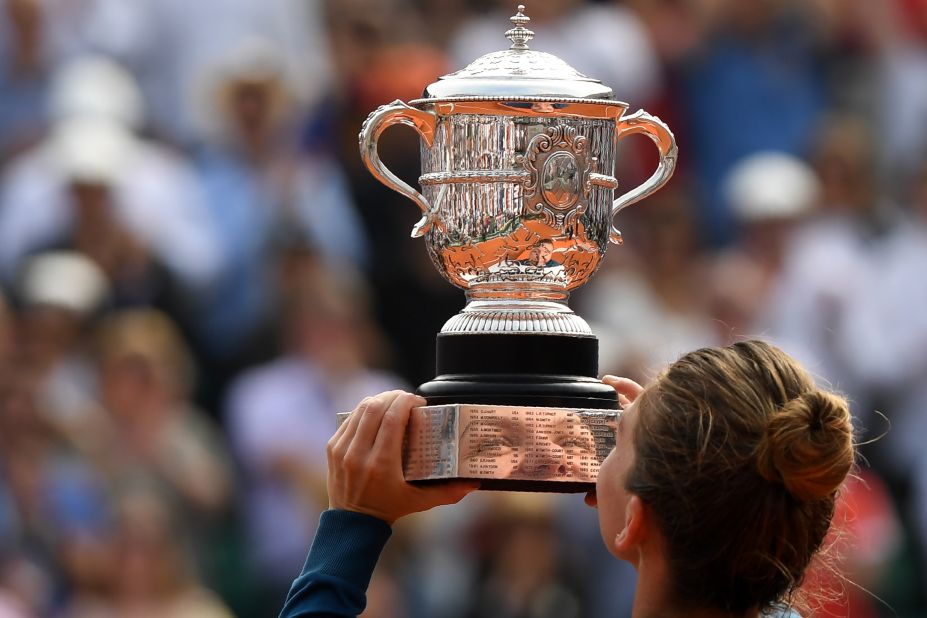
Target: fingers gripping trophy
(517, 199)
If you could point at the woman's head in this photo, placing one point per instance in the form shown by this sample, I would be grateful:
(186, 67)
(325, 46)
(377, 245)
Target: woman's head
(737, 456)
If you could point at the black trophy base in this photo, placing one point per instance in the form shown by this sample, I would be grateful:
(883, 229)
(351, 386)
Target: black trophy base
(528, 370)
(519, 370)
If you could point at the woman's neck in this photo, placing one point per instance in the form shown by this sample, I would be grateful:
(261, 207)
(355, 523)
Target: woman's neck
(652, 598)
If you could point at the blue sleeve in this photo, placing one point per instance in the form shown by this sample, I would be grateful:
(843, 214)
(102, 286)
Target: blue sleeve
(334, 580)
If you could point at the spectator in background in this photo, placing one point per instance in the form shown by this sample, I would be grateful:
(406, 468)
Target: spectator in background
(648, 305)
(23, 75)
(146, 375)
(899, 31)
(829, 259)
(770, 193)
(151, 574)
(888, 348)
(755, 85)
(676, 29)
(65, 485)
(259, 184)
(95, 221)
(94, 184)
(163, 43)
(52, 496)
(170, 44)
(522, 568)
(902, 294)
(55, 496)
(96, 87)
(60, 296)
(61, 433)
(794, 272)
(280, 415)
(36, 38)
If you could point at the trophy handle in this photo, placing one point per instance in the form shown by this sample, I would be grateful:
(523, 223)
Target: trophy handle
(655, 129)
(378, 121)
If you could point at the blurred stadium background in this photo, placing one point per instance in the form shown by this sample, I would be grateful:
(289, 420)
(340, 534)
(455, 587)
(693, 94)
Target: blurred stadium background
(196, 274)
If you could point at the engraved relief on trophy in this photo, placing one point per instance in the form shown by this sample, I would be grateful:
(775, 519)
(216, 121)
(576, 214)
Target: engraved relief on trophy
(560, 180)
(558, 184)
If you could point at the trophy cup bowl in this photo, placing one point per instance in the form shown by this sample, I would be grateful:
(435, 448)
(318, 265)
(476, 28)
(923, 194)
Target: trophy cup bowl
(517, 198)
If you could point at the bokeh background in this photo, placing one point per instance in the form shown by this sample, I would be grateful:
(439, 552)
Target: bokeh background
(197, 273)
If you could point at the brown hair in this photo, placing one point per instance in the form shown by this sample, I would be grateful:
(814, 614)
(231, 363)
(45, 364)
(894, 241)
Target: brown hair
(740, 456)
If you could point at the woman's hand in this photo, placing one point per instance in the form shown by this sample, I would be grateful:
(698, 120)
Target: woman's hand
(627, 389)
(365, 463)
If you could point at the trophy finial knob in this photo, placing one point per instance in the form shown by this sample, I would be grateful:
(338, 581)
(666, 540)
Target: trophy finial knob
(519, 35)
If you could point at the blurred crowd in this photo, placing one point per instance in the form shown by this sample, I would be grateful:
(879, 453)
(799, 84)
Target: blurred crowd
(197, 274)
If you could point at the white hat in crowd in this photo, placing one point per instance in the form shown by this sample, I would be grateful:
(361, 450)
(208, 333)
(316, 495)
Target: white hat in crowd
(771, 185)
(64, 279)
(96, 87)
(92, 150)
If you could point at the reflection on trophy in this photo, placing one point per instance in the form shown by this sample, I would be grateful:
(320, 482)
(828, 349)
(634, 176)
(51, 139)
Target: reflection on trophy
(509, 447)
(517, 200)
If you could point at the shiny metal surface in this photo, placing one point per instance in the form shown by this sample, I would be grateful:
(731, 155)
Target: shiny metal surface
(507, 316)
(643, 123)
(512, 443)
(378, 121)
(517, 184)
(519, 35)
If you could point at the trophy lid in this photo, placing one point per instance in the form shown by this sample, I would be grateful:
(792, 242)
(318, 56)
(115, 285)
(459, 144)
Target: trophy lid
(518, 71)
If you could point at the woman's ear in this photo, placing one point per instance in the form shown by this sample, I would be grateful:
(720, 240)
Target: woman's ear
(628, 540)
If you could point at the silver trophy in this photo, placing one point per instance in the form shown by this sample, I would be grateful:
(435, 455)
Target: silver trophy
(517, 199)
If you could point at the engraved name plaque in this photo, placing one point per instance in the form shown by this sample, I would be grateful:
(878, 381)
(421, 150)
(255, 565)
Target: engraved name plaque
(508, 447)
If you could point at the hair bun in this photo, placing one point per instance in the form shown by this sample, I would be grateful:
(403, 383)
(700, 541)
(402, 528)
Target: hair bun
(808, 446)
